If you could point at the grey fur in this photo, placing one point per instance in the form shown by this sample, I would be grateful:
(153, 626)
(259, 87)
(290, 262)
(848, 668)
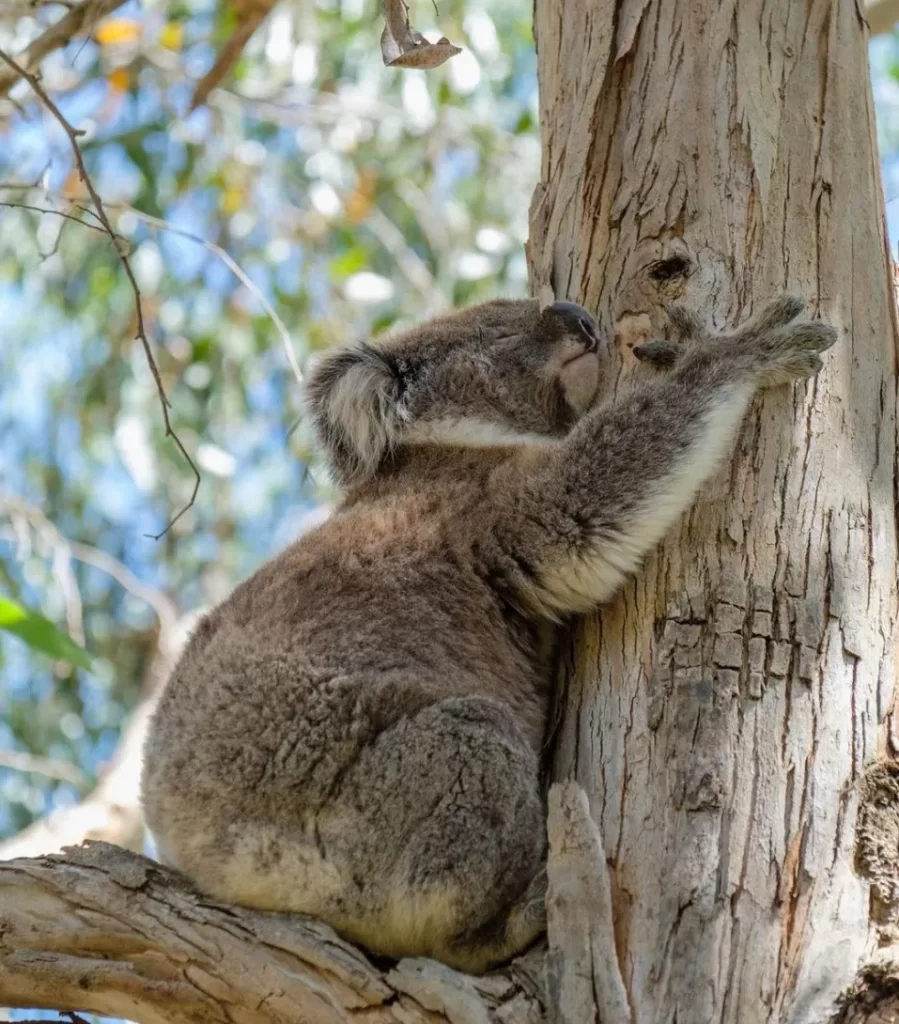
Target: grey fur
(355, 732)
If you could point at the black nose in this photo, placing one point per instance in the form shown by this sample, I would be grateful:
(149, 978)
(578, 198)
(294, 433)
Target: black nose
(576, 319)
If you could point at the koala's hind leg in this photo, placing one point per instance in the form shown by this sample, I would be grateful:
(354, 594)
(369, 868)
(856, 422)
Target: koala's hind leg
(452, 837)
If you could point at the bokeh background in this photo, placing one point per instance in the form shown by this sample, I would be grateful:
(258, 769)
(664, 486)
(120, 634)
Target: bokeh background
(316, 197)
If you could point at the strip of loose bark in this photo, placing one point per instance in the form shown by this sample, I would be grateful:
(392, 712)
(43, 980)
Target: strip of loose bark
(583, 976)
(106, 931)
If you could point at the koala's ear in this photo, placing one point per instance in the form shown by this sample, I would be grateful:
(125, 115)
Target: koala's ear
(355, 397)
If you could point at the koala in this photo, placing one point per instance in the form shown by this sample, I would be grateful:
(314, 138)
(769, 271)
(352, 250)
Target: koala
(356, 732)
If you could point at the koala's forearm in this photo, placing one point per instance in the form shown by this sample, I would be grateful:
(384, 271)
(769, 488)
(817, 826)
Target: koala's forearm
(609, 494)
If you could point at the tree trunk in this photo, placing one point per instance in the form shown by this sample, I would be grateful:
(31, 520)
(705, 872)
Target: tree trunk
(730, 716)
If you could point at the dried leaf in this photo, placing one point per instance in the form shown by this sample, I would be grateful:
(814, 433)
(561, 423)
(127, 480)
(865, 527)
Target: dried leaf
(429, 55)
(396, 16)
(390, 49)
(402, 46)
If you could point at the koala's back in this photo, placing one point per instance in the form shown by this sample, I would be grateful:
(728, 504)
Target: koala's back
(265, 779)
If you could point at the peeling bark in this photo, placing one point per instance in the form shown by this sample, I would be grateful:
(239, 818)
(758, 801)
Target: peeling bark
(721, 713)
(583, 974)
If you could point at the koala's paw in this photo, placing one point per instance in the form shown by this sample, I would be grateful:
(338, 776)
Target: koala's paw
(776, 314)
(771, 343)
(527, 918)
(784, 354)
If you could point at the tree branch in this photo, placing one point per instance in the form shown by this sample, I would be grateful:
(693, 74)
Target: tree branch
(81, 17)
(53, 768)
(106, 931)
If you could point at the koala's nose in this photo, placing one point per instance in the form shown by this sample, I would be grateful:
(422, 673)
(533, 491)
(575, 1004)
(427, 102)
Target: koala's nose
(577, 320)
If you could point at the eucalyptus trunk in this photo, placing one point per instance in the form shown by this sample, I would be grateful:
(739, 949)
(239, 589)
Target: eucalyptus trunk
(730, 715)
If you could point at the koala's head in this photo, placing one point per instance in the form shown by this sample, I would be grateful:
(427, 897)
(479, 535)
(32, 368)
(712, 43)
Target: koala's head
(483, 375)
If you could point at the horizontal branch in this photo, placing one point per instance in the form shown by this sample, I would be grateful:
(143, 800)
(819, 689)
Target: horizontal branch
(106, 931)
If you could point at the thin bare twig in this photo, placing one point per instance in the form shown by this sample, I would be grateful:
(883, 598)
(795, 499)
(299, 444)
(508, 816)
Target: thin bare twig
(249, 17)
(235, 269)
(163, 606)
(100, 212)
(212, 247)
(164, 225)
(118, 239)
(80, 17)
(413, 267)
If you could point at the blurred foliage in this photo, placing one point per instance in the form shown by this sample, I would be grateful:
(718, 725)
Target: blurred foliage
(40, 634)
(351, 196)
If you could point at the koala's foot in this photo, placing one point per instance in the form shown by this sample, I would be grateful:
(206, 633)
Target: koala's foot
(509, 933)
(453, 836)
(527, 918)
(771, 345)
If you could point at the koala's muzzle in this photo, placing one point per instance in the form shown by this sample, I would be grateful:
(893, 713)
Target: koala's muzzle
(570, 318)
(574, 337)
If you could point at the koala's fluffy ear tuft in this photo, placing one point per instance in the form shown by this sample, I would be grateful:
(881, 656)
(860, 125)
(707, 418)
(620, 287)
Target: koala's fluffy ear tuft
(355, 398)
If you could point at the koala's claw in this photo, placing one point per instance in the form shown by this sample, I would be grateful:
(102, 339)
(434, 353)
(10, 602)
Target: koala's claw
(808, 336)
(534, 904)
(793, 352)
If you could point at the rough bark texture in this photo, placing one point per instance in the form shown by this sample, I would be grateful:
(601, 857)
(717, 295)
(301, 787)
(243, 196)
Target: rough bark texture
(107, 931)
(721, 714)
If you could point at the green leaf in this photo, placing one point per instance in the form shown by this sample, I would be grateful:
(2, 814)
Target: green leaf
(40, 634)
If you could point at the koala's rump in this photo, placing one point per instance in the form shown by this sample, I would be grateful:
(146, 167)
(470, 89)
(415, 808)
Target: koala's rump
(252, 780)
